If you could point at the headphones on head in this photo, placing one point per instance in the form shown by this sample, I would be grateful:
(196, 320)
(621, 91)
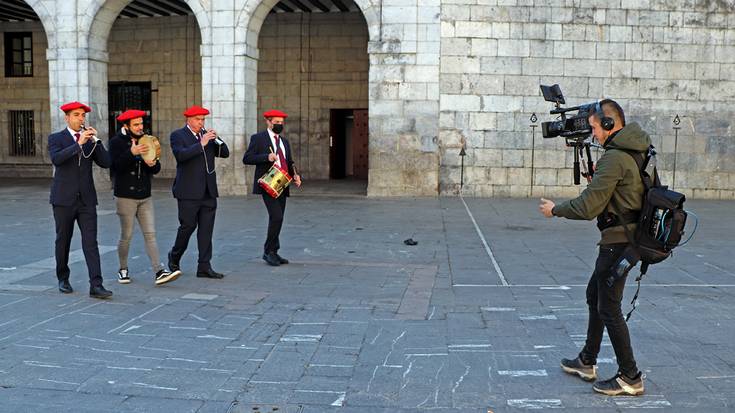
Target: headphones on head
(606, 122)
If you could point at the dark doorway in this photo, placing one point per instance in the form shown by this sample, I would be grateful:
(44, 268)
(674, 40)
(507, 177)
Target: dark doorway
(348, 143)
(122, 96)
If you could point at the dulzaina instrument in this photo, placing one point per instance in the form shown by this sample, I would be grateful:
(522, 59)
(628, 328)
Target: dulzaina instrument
(154, 148)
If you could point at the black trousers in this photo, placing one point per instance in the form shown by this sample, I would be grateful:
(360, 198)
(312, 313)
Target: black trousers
(86, 218)
(192, 214)
(276, 208)
(605, 311)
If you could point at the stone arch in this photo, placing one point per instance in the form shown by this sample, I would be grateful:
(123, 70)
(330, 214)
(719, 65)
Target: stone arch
(250, 19)
(47, 20)
(104, 13)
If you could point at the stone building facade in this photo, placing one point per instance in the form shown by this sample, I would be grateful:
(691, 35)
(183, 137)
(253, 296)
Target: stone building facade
(435, 76)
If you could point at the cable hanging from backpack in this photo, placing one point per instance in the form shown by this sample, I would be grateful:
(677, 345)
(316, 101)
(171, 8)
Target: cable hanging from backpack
(696, 224)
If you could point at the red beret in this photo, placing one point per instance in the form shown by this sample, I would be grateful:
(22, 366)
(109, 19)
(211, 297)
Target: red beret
(75, 105)
(273, 113)
(196, 111)
(130, 114)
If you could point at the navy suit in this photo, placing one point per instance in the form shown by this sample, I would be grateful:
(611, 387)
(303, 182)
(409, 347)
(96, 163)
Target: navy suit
(74, 198)
(195, 189)
(257, 154)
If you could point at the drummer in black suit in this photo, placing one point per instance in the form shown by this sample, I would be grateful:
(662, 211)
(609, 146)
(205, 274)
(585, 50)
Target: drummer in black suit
(73, 196)
(195, 188)
(268, 148)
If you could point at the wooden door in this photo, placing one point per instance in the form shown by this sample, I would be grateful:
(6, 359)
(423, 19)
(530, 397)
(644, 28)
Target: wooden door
(360, 148)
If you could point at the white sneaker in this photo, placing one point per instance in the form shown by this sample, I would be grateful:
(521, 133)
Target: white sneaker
(123, 277)
(164, 276)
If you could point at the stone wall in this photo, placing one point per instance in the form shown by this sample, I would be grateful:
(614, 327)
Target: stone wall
(26, 93)
(165, 52)
(441, 74)
(657, 58)
(309, 64)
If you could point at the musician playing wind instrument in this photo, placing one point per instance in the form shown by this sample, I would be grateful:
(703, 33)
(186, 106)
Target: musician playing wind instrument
(195, 188)
(134, 162)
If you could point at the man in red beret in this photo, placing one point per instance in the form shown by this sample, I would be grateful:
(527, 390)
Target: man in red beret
(73, 196)
(267, 148)
(131, 177)
(195, 188)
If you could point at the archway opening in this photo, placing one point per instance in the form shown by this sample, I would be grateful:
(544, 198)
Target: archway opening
(154, 65)
(313, 64)
(24, 109)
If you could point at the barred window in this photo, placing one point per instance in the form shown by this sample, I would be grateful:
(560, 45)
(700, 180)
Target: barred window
(18, 54)
(22, 138)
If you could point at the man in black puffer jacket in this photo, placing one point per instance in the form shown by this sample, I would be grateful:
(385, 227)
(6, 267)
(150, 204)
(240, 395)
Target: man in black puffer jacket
(132, 182)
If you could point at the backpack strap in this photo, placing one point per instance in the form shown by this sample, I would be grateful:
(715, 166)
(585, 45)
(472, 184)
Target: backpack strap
(642, 162)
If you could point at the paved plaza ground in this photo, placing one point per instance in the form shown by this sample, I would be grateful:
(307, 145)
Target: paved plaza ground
(474, 318)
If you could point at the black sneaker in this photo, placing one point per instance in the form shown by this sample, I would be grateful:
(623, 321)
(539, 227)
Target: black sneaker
(586, 372)
(164, 276)
(123, 277)
(620, 385)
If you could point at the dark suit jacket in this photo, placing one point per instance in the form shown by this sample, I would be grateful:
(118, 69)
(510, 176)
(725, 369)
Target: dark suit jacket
(192, 180)
(131, 176)
(72, 171)
(257, 154)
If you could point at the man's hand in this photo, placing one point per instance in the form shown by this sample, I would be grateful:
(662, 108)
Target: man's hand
(297, 180)
(272, 157)
(151, 163)
(546, 206)
(136, 149)
(210, 135)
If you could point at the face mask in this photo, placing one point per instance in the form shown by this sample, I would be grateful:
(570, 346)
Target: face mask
(277, 128)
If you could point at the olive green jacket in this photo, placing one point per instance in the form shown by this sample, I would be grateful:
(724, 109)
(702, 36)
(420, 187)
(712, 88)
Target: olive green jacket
(617, 179)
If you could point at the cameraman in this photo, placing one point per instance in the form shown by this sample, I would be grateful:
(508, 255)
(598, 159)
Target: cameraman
(614, 196)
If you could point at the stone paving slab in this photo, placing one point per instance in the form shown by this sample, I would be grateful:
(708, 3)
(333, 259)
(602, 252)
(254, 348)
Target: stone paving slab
(359, 321)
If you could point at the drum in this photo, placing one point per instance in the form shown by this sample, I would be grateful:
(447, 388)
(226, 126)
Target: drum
(275, 181)
(154, 148)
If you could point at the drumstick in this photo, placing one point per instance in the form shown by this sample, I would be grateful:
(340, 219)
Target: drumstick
(294, 167)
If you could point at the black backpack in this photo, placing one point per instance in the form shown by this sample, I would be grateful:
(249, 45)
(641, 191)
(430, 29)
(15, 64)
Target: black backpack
(662, 218)
(661, 221)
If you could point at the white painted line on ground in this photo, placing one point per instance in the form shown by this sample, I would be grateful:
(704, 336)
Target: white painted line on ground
(61, 382)
(715, 377)
(585, 285)
(340, 401)
(642, 404)
(484, 243)
(718, 268)
(135, 318)
(14, 302)
(452, 346)
(523, 373)
(497, 309)
(40, 323)
(195, 296)
(313, 338)
(535, 403)
(213, 337)
(151, 386)
(539, 317)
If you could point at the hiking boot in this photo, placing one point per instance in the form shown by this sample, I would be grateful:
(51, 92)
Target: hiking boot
(164, 276)
(586, 372)
(620, 385)
(123, 277)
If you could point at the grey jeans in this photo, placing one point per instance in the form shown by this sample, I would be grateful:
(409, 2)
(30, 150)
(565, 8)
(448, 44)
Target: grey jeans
(128, 210)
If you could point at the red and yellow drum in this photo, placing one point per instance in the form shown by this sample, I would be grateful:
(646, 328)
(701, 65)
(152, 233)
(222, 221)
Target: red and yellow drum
(275, 181)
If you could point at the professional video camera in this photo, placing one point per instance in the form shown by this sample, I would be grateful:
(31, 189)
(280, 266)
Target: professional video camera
(576, 130)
